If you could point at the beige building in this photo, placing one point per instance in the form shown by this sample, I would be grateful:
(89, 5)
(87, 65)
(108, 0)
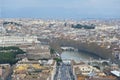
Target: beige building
(38, 52)
(86, 70)
(34, 70)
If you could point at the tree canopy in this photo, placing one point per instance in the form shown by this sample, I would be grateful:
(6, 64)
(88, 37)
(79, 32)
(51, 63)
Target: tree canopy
(8, 54)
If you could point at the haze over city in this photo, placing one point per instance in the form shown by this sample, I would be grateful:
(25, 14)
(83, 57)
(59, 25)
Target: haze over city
(60, 9)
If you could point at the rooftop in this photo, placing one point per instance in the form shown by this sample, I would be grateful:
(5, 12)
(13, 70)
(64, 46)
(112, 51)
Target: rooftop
(116, 73)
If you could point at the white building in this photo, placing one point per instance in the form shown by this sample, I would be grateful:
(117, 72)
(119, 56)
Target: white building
(17, 40)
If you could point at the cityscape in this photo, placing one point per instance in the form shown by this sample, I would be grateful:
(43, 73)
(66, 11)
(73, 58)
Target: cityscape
(59, 42)
(60, 50)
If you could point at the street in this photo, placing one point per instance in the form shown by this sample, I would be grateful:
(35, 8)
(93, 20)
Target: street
(64, 72)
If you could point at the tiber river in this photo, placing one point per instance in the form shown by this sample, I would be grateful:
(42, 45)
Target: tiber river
(77, 56)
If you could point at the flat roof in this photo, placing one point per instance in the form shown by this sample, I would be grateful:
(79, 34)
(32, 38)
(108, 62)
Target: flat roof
(116, 73)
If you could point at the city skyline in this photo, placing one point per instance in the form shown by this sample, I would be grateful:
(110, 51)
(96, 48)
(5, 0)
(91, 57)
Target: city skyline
(63, 9)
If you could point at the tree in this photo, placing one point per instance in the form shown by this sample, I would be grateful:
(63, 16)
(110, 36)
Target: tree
(52, 51)
(8, 54)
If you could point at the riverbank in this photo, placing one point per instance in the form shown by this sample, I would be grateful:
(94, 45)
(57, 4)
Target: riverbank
(91, 48)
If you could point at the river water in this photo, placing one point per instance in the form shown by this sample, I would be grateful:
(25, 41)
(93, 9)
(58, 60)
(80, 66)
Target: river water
(77, 56)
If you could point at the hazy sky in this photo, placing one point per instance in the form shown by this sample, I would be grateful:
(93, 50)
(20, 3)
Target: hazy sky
(60, 9)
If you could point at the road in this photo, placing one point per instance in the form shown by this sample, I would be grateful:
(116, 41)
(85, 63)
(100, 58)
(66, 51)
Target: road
(64, 72)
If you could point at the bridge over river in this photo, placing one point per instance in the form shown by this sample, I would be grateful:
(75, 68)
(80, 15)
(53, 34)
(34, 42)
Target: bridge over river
(84, 57)
(69, 49)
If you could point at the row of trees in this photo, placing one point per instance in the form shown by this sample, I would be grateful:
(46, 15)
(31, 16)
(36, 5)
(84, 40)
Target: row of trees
(79, 26)
(14, 23)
